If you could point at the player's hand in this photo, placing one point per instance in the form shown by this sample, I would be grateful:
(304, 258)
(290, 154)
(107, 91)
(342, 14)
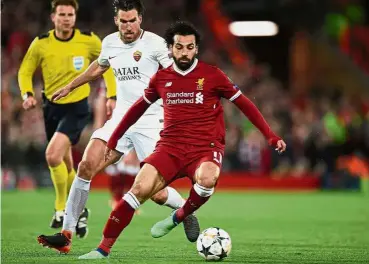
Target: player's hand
(281, 146)
(110, 105)
(60, 94)
(278, 144)
(29, 103)
(107, 154)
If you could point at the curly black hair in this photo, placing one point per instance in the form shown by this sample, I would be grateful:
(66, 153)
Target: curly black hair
(183, 28)
(127, 5)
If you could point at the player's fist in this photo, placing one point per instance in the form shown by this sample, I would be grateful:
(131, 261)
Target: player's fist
(110, 105)
(60, 94)
(281, 146)
(29, 103)
(278, 144)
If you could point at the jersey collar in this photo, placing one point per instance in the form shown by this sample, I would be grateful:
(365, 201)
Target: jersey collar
(64, 40)
(178, 70)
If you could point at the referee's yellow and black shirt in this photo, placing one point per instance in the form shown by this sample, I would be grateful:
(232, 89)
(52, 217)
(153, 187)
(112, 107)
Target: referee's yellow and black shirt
(61, 61)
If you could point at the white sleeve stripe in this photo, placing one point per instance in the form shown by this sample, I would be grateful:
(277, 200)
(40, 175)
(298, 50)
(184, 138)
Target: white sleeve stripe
(147, 100)
(234, 97)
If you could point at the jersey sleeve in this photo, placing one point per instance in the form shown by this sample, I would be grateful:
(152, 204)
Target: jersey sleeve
(151, 94)
(162, 53)
(95, 46)
(226, 88)
(28, 66)
(103, 59)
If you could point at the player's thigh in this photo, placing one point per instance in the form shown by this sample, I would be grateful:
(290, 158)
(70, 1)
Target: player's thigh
(205, 167)
(168, 161)
(144, 142)
(57, 148)
(68, 159)
(147, 183)
(93, 158)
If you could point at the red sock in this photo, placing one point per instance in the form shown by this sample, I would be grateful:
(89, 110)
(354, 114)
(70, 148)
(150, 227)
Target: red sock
(119, 218)
(117, 186)
(194, 202)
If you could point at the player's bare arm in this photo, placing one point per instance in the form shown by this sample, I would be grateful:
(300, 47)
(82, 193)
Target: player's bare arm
(94, 71)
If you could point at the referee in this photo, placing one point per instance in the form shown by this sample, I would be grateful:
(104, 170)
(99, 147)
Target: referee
(62, 53)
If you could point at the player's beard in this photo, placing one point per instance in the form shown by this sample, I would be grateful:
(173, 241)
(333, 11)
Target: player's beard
(129, 38)
(183, 63)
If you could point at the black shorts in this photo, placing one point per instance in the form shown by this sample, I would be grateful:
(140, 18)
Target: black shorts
(69, 119)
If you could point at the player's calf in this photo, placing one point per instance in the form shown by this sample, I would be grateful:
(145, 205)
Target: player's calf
(86, 170)
(160, 197)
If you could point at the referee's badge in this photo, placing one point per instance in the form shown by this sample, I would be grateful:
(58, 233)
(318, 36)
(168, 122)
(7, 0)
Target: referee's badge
(78, 62)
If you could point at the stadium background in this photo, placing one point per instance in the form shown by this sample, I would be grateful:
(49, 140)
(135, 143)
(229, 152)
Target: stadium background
(311, 83)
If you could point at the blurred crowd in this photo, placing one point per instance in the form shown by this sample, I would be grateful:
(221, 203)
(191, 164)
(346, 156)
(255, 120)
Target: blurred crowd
(319, 129)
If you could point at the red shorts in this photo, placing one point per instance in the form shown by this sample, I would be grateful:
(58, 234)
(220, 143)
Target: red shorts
(173, 163)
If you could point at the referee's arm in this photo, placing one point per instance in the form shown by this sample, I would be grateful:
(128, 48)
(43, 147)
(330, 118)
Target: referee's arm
(29, 65)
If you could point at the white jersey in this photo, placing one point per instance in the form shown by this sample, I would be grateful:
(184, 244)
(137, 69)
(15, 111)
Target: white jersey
(133, 65)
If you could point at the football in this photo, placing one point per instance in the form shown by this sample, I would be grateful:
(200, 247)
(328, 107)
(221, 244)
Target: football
(214, 244)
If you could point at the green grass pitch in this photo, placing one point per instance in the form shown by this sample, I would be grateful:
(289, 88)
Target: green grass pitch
(264, 227)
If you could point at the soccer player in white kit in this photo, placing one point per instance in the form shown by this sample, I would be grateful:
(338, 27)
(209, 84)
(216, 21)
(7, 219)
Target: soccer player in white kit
(134, 55)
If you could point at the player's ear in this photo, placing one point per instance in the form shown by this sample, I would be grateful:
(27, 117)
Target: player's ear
(52, 17)
(116, 21)
(197, 50)
(139, 19)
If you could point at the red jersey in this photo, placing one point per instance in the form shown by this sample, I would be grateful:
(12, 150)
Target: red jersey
(193, 113)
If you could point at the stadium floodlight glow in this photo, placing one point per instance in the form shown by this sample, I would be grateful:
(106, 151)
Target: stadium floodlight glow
(253, 28)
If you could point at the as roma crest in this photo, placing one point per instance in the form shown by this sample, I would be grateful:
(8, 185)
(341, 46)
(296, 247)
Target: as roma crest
(137, 55)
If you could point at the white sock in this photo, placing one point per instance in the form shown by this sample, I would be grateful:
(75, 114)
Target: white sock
(132, 200)
(76, 202)
(174, 200)
(203, 191)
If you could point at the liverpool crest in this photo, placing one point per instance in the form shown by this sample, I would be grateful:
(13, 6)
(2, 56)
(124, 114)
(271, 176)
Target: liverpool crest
(200, 84)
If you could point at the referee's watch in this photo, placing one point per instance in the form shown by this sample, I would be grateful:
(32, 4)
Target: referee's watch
(26, 95)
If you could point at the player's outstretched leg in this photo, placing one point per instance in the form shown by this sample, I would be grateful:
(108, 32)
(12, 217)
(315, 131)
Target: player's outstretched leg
(206, 178)
(92, 162)
(147, 183)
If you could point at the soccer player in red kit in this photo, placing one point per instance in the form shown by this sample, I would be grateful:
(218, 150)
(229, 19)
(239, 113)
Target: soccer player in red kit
(192, 141)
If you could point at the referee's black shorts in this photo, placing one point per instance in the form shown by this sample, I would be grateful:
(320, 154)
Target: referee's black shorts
(69, 119)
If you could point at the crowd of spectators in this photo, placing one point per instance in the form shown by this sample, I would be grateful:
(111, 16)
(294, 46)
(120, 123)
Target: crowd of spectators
(318, 129)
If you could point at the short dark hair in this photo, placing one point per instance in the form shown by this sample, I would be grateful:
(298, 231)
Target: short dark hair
(182, 28)
(127, 5)
(56, 3)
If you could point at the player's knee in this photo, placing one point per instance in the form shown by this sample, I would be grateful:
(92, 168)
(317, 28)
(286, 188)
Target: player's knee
(86, 170)
(160, 197)
(53, 158)
(208, 174)
(141, 191)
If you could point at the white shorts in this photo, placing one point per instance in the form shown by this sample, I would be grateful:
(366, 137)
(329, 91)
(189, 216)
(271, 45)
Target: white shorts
(143, 140)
